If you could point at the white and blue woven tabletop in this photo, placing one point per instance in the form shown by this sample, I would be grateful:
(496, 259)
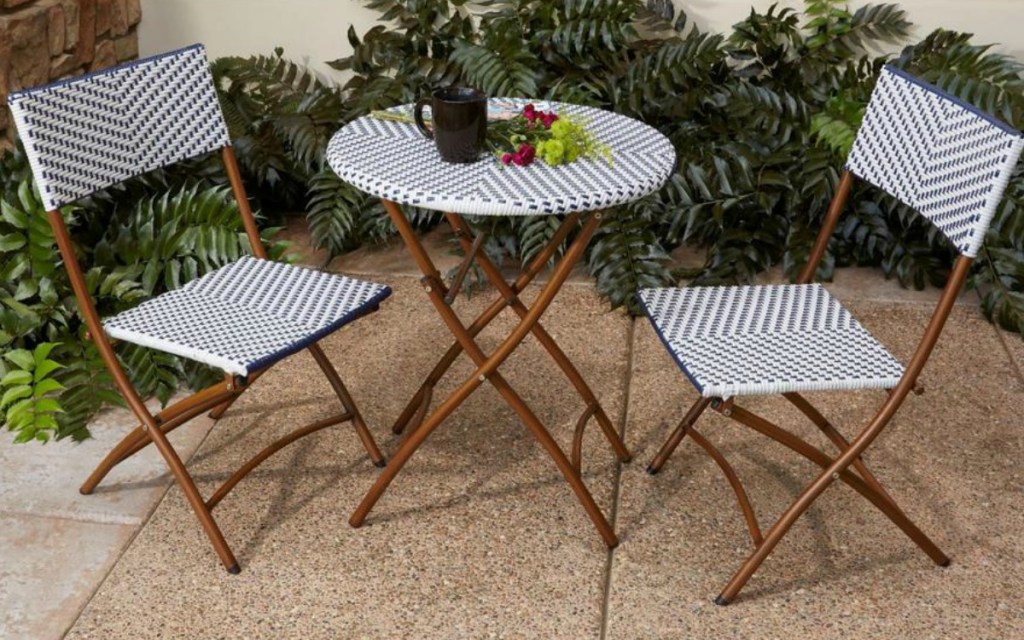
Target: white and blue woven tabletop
(393, 160)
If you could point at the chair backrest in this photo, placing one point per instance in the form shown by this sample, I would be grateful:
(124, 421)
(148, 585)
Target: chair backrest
(94, 131)
(936, 154)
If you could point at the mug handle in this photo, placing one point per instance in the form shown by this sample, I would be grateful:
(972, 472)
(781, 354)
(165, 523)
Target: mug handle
(418, 115)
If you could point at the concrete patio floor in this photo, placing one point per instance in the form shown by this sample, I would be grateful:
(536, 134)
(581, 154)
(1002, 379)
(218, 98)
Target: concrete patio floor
(480, 537)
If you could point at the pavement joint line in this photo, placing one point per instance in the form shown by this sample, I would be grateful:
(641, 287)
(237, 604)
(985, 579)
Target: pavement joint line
(135, 534)
(113, 520)
(1016, 366)
(617, 486)
(1002, 337)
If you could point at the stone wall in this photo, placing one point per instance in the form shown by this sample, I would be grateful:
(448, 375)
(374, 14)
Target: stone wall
(43, 40)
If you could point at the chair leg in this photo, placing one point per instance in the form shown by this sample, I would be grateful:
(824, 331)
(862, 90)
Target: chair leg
(834, 469)
(677, 436)
(734, 482)
(350, 406)
(169, 419)
(219, 411)
(156, 435)
(188, 486)
(511, 296)
(837, 439)
(339, 389)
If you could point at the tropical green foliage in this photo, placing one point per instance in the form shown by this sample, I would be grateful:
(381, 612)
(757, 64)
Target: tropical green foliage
(136, 241)
(762, 119)
(27, 402)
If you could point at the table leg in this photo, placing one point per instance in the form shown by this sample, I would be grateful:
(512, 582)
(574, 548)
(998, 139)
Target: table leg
(511, 297)
(418, 403)
(487, 371)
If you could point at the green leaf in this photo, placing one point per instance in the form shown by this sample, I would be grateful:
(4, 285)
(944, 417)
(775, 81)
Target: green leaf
(13, 394)
(46, 386)
(12, 216)
(22, 358)
(16, 377)
(42, 351)
(12, 241)
(45, 368)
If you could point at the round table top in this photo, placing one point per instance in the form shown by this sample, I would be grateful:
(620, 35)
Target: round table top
(393, 160)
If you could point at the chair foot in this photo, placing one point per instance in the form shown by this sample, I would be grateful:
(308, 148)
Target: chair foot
(234, 569)
(84, 491)
(652, 470)
(721, 601)
(380, 464)
(945, 564)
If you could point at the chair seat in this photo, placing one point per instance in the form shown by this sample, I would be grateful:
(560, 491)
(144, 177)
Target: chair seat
(756, 340)
(248, 314)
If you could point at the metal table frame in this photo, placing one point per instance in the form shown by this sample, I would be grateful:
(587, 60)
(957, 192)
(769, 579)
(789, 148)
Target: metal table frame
(415, 417)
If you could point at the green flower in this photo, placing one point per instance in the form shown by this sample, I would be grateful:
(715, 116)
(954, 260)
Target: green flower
(561, 128)
(553, 151)
(572, 152)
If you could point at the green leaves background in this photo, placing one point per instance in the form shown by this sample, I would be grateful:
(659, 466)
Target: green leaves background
(134, 242)
(761, 117)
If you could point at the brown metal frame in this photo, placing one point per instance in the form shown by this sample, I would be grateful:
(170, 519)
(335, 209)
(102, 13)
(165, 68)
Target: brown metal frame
(216, 398)
(487, 366)
(850, 452)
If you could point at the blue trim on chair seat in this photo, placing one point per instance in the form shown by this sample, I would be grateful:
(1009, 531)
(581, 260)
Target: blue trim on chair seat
(365, 309)
(667, 344)
(248, 314)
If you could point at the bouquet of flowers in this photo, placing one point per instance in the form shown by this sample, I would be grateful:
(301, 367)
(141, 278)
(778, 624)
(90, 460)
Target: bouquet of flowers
(554, 138)
(521, 137)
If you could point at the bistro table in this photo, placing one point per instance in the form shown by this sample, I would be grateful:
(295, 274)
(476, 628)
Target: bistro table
(392, 160)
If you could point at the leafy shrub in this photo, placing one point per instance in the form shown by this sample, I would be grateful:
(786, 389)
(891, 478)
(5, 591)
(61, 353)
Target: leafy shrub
(762, 119)
(134, 241)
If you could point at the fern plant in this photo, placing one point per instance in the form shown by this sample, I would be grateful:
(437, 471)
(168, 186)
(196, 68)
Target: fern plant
(762, 119)
(134, 241)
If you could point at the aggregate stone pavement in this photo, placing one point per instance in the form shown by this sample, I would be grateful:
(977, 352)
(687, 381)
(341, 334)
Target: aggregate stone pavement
(480, 537)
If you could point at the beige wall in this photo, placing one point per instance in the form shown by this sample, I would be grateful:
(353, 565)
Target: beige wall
(313, 31)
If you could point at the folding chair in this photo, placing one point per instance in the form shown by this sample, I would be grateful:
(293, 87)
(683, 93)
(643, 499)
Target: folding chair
(95, 131)
(933, 152)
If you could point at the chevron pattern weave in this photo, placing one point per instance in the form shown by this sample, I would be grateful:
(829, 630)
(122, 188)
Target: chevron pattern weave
(91, 132)
(248, 314)
(393, 160)
(940, 156)
(733, 341)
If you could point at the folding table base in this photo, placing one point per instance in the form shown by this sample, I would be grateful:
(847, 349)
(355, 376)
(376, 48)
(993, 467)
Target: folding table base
(487, 366)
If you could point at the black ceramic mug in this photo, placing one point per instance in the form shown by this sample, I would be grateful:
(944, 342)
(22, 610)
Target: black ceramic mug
(459, 123)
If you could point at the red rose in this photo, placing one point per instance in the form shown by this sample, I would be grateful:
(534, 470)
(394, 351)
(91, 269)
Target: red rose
(525, 155)
(548, 118)
(506, 158)
(530, 112)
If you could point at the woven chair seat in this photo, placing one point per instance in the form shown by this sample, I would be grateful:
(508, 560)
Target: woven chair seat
(755, 340)
(248, 314)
